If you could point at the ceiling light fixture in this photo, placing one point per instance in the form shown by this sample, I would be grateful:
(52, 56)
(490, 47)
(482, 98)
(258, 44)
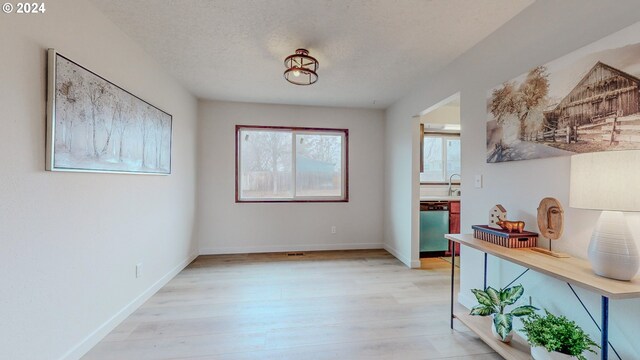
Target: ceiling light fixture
(301, 68)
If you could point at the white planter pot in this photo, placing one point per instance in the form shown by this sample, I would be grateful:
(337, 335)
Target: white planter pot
(497, 336)
(541, 353)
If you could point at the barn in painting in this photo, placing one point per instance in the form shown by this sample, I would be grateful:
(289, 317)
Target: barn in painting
(604, 92)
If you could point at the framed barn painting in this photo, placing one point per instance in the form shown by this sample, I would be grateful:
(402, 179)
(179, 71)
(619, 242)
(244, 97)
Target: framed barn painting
(94, 125)
(586, 101)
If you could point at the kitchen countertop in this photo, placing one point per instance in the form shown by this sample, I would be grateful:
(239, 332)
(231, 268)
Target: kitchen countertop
(439, 198)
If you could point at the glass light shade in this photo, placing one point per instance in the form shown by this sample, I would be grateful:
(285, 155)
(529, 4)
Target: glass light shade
(301, 68)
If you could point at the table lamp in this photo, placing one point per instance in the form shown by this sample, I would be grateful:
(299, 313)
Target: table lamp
(609, 181)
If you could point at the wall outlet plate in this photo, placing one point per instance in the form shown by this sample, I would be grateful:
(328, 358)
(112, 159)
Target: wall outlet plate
(138, 270)
(478, 182)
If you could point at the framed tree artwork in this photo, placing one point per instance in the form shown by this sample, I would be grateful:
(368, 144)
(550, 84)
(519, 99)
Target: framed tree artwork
(585, 101)
(94, 125)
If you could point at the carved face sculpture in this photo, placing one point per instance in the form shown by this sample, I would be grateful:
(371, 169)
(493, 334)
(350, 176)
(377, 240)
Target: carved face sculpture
(550, 218)
(554, 219)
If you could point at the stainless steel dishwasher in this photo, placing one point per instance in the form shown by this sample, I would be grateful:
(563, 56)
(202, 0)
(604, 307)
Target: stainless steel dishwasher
(434, 224)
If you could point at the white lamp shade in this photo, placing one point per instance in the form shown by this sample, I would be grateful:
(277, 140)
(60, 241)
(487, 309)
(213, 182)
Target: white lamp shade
(608, 180)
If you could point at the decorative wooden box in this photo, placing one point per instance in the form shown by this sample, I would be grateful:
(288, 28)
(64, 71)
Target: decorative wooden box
(525, 239)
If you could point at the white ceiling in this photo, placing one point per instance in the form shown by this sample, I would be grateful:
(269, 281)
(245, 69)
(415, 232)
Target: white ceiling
(371, 52)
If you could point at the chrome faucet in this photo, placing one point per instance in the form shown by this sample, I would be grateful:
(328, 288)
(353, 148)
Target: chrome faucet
(450, 192)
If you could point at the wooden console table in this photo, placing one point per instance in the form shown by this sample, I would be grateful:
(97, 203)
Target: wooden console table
(573, 271)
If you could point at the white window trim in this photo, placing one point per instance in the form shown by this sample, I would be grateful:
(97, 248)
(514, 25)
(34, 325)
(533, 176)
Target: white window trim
(444, 157)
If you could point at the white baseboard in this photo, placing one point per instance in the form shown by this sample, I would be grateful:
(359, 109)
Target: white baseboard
(98, 334)
(285, 248)
(405, 260)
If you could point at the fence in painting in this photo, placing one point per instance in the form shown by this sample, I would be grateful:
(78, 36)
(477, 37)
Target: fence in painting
(610, 129)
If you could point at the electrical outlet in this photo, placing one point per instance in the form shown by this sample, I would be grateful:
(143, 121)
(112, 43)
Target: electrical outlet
(478, 182)
(334, 229)
(138, 270)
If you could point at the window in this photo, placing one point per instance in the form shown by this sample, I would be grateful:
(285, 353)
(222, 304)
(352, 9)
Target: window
(281, 164)
(441, 158)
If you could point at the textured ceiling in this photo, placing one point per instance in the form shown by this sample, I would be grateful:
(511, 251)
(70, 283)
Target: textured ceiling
(371, 52)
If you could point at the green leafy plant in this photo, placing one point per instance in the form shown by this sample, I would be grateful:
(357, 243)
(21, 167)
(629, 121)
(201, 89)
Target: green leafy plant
(494, 302)
(557, 333)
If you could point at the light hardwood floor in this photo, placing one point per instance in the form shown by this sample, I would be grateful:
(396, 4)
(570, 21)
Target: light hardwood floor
(324, 305)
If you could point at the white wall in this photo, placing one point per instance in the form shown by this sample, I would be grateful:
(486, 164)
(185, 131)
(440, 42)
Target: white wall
(69, 242)
(544, 31)
(401, 187)
(446, 114)
(227, 227)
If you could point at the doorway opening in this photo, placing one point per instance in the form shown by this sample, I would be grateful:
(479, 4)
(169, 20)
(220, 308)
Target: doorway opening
(440, 179)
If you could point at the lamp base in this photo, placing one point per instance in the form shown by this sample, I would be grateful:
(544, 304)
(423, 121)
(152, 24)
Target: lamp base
(612, 250)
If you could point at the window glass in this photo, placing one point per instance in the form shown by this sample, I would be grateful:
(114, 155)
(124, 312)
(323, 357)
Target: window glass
(289, 164)
(318, 165)
(441, 158)
(433, 159)
(453, 158)
(265, 159)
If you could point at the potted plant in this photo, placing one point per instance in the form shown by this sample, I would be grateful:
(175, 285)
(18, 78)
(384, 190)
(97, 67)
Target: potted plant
(494, 302)
(556, 337)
